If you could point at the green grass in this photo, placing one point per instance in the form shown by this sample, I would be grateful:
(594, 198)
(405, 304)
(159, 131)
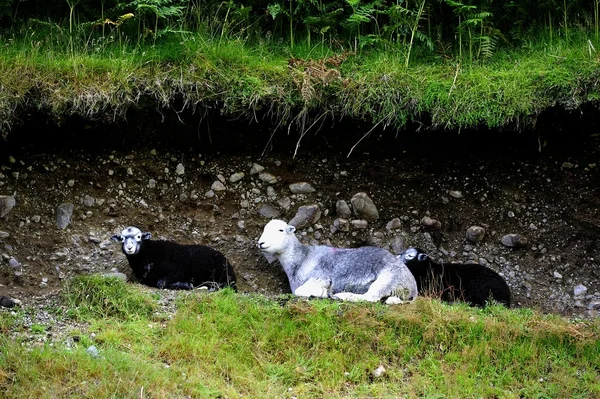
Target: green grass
(245, 78)
(232, 345)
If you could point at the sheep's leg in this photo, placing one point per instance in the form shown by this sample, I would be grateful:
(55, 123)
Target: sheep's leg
(382, 287)
(181, 286)
(314, 287)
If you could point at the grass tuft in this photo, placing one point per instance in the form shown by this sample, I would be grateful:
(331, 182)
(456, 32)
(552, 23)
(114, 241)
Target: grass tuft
(96, 296)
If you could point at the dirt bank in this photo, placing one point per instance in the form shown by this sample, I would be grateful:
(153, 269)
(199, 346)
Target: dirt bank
(551, 198)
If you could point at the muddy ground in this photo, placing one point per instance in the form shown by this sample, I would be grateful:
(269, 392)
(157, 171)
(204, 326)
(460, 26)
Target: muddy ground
(162, 183)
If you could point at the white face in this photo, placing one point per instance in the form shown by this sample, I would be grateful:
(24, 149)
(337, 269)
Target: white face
(412, 255)
(274, 237)
(131, 237)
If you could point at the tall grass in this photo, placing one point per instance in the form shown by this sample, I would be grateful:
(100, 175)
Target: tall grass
(236, 345)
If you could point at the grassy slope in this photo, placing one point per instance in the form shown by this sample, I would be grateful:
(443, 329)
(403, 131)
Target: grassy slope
(231, 345)
(513, 87)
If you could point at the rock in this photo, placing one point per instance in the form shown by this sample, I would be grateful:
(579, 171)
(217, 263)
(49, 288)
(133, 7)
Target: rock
(393, 224)
(301, 188)
(267, 178)
(360, 223)
(256, 168)
(475, 234)
(579, 290)
(218, 186)
(307, 215)
(12, 262)
(268, 211)
(455, 194)
(284, 203)
(88, 201)
(234, 178)
(341, 224)
(557, 275)
(180, 169)
(92, 351)
(514, 241)
(379, 371)
(151, 183)
(36, 218)
(594, 305)
(4, 234)
(63, 215)
(342, 209)
(430, 223)
(7, 202)
(364, 207)
(397, 244)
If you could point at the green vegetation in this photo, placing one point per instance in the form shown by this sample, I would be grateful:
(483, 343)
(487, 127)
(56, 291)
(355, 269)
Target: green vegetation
(225, 344)
(388, 63)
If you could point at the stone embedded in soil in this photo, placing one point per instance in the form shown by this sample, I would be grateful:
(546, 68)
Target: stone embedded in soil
(475, 234)
(393, 224)
(218, 186)
(431, 223)
(267, 178)
(579, 290)
(514, 241)
(306, 215)
(341, 224)
(360, 224)
(180, 169)
(455, 194)
(342, 209)
(234, 178)
(364, 207)
(302, 188)
(256, 168)
(63, 215)
(268, 211)
(7, 202)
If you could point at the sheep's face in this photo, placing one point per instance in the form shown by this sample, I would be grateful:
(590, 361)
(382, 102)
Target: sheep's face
(413, 256)
(131, 239)
(274, 238)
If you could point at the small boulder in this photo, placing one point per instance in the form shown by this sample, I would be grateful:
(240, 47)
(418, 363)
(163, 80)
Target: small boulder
(364, 207)
(307, 215)
(475, 234)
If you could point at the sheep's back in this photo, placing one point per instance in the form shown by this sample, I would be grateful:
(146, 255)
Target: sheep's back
(353, 269)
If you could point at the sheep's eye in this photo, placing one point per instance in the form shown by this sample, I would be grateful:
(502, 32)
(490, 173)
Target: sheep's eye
(409, 255)
(281, 230)
(138, 237)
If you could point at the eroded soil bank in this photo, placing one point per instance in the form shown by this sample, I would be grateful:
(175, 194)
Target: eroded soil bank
(163, 182)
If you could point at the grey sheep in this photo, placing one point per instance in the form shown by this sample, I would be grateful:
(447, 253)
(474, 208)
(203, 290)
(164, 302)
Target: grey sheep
(352, 274)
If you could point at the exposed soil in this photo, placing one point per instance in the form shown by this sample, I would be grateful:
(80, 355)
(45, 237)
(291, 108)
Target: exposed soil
(552, 198)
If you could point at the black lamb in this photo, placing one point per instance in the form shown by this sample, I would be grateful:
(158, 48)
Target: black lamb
(471, 283)
(166, 264)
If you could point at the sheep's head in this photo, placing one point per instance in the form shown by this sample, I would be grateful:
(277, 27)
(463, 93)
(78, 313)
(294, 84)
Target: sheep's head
(131, 238)
(412, 256)
(274, 238)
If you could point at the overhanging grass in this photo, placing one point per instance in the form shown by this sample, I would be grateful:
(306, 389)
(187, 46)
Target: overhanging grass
(233, 345)
(245, 78)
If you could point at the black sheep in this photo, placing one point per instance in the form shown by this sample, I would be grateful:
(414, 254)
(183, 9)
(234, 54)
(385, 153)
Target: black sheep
(472, 283)
(166, 264)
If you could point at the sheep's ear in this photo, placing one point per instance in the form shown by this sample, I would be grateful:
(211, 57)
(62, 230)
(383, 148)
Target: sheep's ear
(422, 257)
(117, 238)
(290, 229)
(146, 236)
